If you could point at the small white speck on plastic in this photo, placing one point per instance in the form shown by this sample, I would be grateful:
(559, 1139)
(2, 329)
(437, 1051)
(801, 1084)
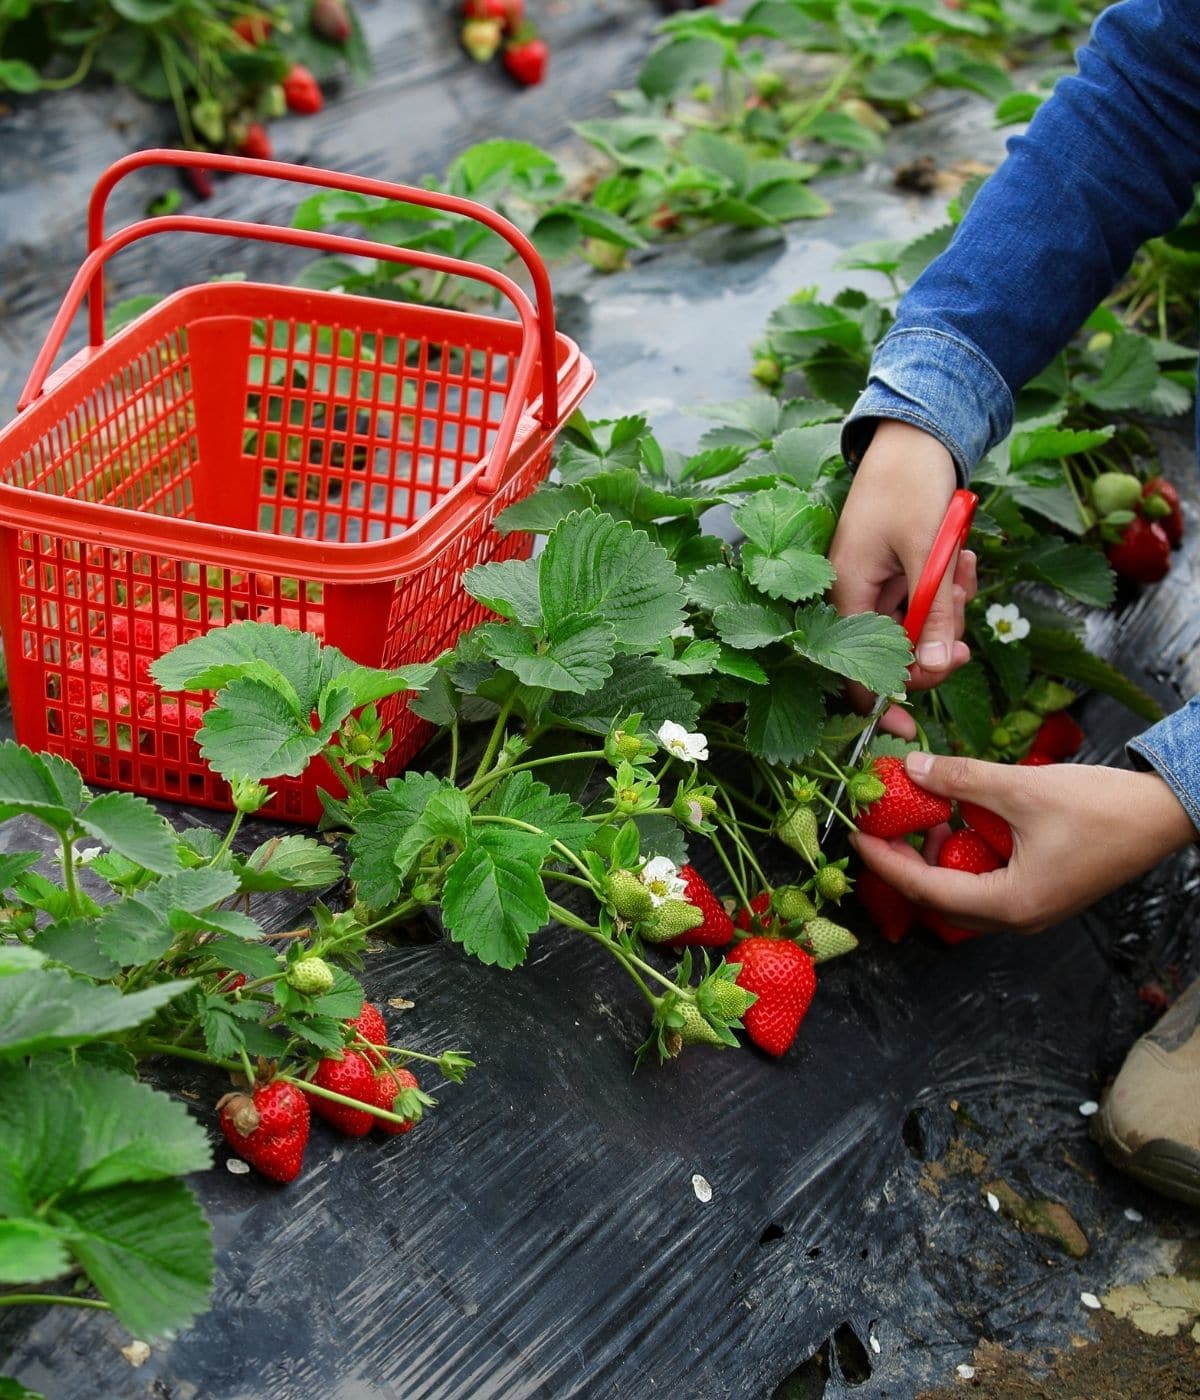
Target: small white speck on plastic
(237, 1166)
(1135, 1216)
(965, 1372)
(1088, 1107)
(136, 1353)
(1089, 1300)
(702, 1189)
(875, 1347)
(993, 1201)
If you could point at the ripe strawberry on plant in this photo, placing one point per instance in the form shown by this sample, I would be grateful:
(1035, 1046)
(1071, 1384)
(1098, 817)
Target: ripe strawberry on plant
(1058, 737)
(1143, 553)
(780, 974)
(992, 827)
(904, 807)
(301, 92)
(967, 850)
(758, 916)
(892, 913)
(1160, 502)
(389, 1085)
(268, 1129)
(255, 143)
(716, 927)
(510, 13)
(369, 1024)
(330, 20)
(526, 55)
(353, 1076)
(252, 29)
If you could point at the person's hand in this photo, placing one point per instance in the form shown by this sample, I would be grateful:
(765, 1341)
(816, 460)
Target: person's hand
(895, 507)
(1078, 831)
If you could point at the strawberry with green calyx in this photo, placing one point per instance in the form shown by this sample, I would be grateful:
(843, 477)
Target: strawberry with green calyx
(352, 1076)
(1142, 553)
(605, 255)
(798, 829)
(268, 1128)
(769, 85)
(628, 897)
(526, 55)
(633, 790)
(862, 789)
(1160, 503)
(672, 919)
(966, 850)
(1058, 737)
(693, 806)
(715, 928)
(759, 916)
(370, 1026)
(904, 807)
(397, 1091)
(767, 370)
(832, 882)
(721, 999)
(992, 827)
(822, 939)
(246, 794)
(624, 744)
(892, 913)
(780, 974)
(1046, 697)
(310, 976)
(1115, 491)
(482, 38)
(302, 92)
(688, 1026)
(792, 905)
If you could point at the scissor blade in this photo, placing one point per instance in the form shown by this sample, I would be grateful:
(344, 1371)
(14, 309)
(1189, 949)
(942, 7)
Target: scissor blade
(860, 745)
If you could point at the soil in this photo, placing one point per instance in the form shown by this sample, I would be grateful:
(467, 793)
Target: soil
(1119, 1364)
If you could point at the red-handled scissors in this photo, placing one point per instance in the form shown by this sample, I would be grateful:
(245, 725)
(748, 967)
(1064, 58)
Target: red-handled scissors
(950, 538)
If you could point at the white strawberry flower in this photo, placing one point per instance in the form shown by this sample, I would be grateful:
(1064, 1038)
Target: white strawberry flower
(661, 877)
(1006, 622)
(676, 740)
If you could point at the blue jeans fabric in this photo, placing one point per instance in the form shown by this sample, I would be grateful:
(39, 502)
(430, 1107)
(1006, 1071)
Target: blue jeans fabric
(1110, 160)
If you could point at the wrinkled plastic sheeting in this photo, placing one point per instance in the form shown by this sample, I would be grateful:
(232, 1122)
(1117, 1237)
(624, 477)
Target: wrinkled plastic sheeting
(541, 1234)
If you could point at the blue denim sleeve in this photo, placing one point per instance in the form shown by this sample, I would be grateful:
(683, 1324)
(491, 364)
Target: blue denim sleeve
(1108, 161)
(1172, 748)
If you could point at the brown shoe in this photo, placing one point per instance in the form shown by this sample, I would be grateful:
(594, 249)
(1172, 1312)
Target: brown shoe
(1149, 1122)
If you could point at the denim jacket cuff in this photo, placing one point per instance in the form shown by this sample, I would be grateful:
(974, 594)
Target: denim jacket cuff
(1172, 749)
(936, 382)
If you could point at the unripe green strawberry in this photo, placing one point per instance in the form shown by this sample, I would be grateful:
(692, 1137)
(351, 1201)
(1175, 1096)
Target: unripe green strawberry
(863, 789)
(695, 1029)
(1156, 508)
(798, 830)
(831, 882)
(822, 939)
(312, 976)
(1047, 696)
(793, 905)
(1115, 491)
(767, 370)
(1100, 343)
(670, 919)
(726, 999)
(768, 83)
(628, 896)
(1023, 723)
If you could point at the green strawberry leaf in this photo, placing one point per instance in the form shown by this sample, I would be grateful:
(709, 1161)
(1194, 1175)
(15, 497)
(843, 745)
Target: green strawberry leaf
(1077, 570)
(493, 900)
(253, 728)
(292, 862)
(31, 1252)
(637, 686)
(1060, 653)
(73, 943)
(132, 828)
(508, 587)
(388, 814)
(866, 647)
(29, 786)
(45, 1009)
(1127, 378)
(967, 697)
(784, 718)
(718, 586)
(130, 1132)
(749, 626)
(522, 798)
(575, 659)
(539, 513)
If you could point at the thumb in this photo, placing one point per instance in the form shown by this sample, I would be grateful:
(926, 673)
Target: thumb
(934, 648)
(997, 786)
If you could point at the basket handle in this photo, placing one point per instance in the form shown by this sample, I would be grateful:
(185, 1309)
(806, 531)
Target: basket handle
(91, 267)
(351, 184)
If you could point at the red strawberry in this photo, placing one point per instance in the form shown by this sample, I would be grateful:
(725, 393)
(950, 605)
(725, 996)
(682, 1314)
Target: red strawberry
(1034, 760)
(904, 807)
(256, 143)
(330, 20)
(300, 91)
(268, 1130)
(1160, 501)
(231, 981)
(760, 904)
(1058, 736)
(370, 1025)
(254, 29)
(949, 933)
(200, 181)
(353, 1076)
(526, 56)
(1143, 553)
(717, 927)
(781, 975)
(993, 828)
(389, 1085)
(892, 913)
(509, 13)
(966, 850)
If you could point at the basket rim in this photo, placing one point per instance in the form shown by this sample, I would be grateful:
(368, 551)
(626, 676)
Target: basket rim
(367, 561)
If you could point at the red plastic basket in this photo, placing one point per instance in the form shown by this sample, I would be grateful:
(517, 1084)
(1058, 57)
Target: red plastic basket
(246, 450)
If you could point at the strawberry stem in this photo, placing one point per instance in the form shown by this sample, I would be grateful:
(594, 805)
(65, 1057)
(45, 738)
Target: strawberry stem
(8, 1300)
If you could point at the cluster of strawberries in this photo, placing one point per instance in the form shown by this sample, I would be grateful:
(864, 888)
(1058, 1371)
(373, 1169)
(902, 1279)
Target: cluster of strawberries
(982, 844)
(500, 26)
(268, 1127)
(1143, 523)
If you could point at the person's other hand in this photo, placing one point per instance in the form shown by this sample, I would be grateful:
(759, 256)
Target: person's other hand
(1079, 831)
(895, 507)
